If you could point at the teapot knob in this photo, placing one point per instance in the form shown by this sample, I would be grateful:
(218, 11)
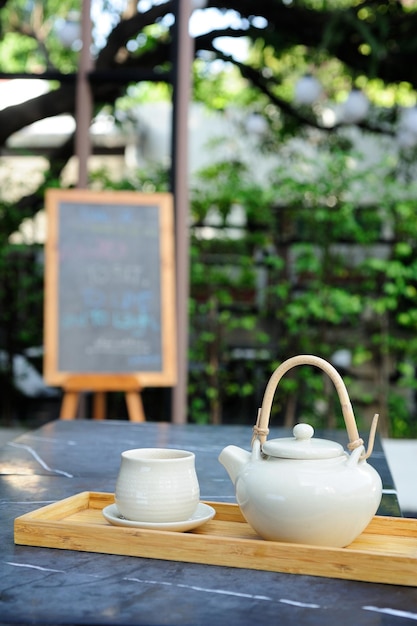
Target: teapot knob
(303, 431)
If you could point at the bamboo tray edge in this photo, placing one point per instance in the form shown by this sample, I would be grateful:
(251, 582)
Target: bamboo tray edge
(386, 552)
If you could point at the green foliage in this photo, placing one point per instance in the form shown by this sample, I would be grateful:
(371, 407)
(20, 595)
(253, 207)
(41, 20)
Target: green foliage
(18, 51)
(295, 264)
(219, 85)
(21, 304)
(333, 282)
(304, 270)
(30, 39)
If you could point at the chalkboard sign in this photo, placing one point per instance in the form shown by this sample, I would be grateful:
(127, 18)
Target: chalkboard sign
(109, 286)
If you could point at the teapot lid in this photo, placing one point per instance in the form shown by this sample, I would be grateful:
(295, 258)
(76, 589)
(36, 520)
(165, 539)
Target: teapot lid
(302, 445)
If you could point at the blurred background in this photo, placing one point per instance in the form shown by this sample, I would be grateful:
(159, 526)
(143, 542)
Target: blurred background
(302, 146)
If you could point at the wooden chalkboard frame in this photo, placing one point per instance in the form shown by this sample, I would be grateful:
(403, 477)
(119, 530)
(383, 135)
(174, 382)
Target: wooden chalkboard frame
(166, 375)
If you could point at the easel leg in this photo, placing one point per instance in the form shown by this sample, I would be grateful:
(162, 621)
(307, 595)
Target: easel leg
(99, 405)
(134, 406)
(69, 405)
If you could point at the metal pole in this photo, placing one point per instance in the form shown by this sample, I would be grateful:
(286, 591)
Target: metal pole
(83, 116)
(181, 99)
(84, 99)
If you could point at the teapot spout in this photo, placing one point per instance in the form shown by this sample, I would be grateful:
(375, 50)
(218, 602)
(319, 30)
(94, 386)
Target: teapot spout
(233, 460)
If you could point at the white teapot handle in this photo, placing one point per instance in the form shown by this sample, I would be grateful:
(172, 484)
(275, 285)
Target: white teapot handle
(261, 430)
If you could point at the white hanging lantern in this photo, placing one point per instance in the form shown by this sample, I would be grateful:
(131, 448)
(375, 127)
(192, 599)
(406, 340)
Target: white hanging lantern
(407, 128)
(256, 124)
(199, 4)
(69, 30)
(408, 120)
(355, 108)
(307, 90)
(342, 358)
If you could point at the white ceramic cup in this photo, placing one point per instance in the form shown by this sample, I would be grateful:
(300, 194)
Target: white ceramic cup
(157, 485)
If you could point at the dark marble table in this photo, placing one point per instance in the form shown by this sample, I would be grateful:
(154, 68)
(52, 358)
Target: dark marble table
(48, 586)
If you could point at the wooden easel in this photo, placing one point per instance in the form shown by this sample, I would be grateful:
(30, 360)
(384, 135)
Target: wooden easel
(140, 232)
(99, 385)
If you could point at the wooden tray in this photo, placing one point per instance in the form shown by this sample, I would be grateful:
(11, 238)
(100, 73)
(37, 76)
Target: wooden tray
(386, 552)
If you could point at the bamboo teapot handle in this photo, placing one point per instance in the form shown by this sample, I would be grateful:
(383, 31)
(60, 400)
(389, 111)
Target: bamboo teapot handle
(261, 430)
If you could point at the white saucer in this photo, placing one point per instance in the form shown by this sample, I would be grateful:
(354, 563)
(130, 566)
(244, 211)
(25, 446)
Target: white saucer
(202, 514)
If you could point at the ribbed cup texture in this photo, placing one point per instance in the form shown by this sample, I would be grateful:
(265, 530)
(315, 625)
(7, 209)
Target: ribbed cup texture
(157, 485)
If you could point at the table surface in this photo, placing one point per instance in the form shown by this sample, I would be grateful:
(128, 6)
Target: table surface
(49, 586)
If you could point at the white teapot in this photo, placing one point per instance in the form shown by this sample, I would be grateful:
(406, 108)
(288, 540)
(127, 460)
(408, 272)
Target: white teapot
(302, 489)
